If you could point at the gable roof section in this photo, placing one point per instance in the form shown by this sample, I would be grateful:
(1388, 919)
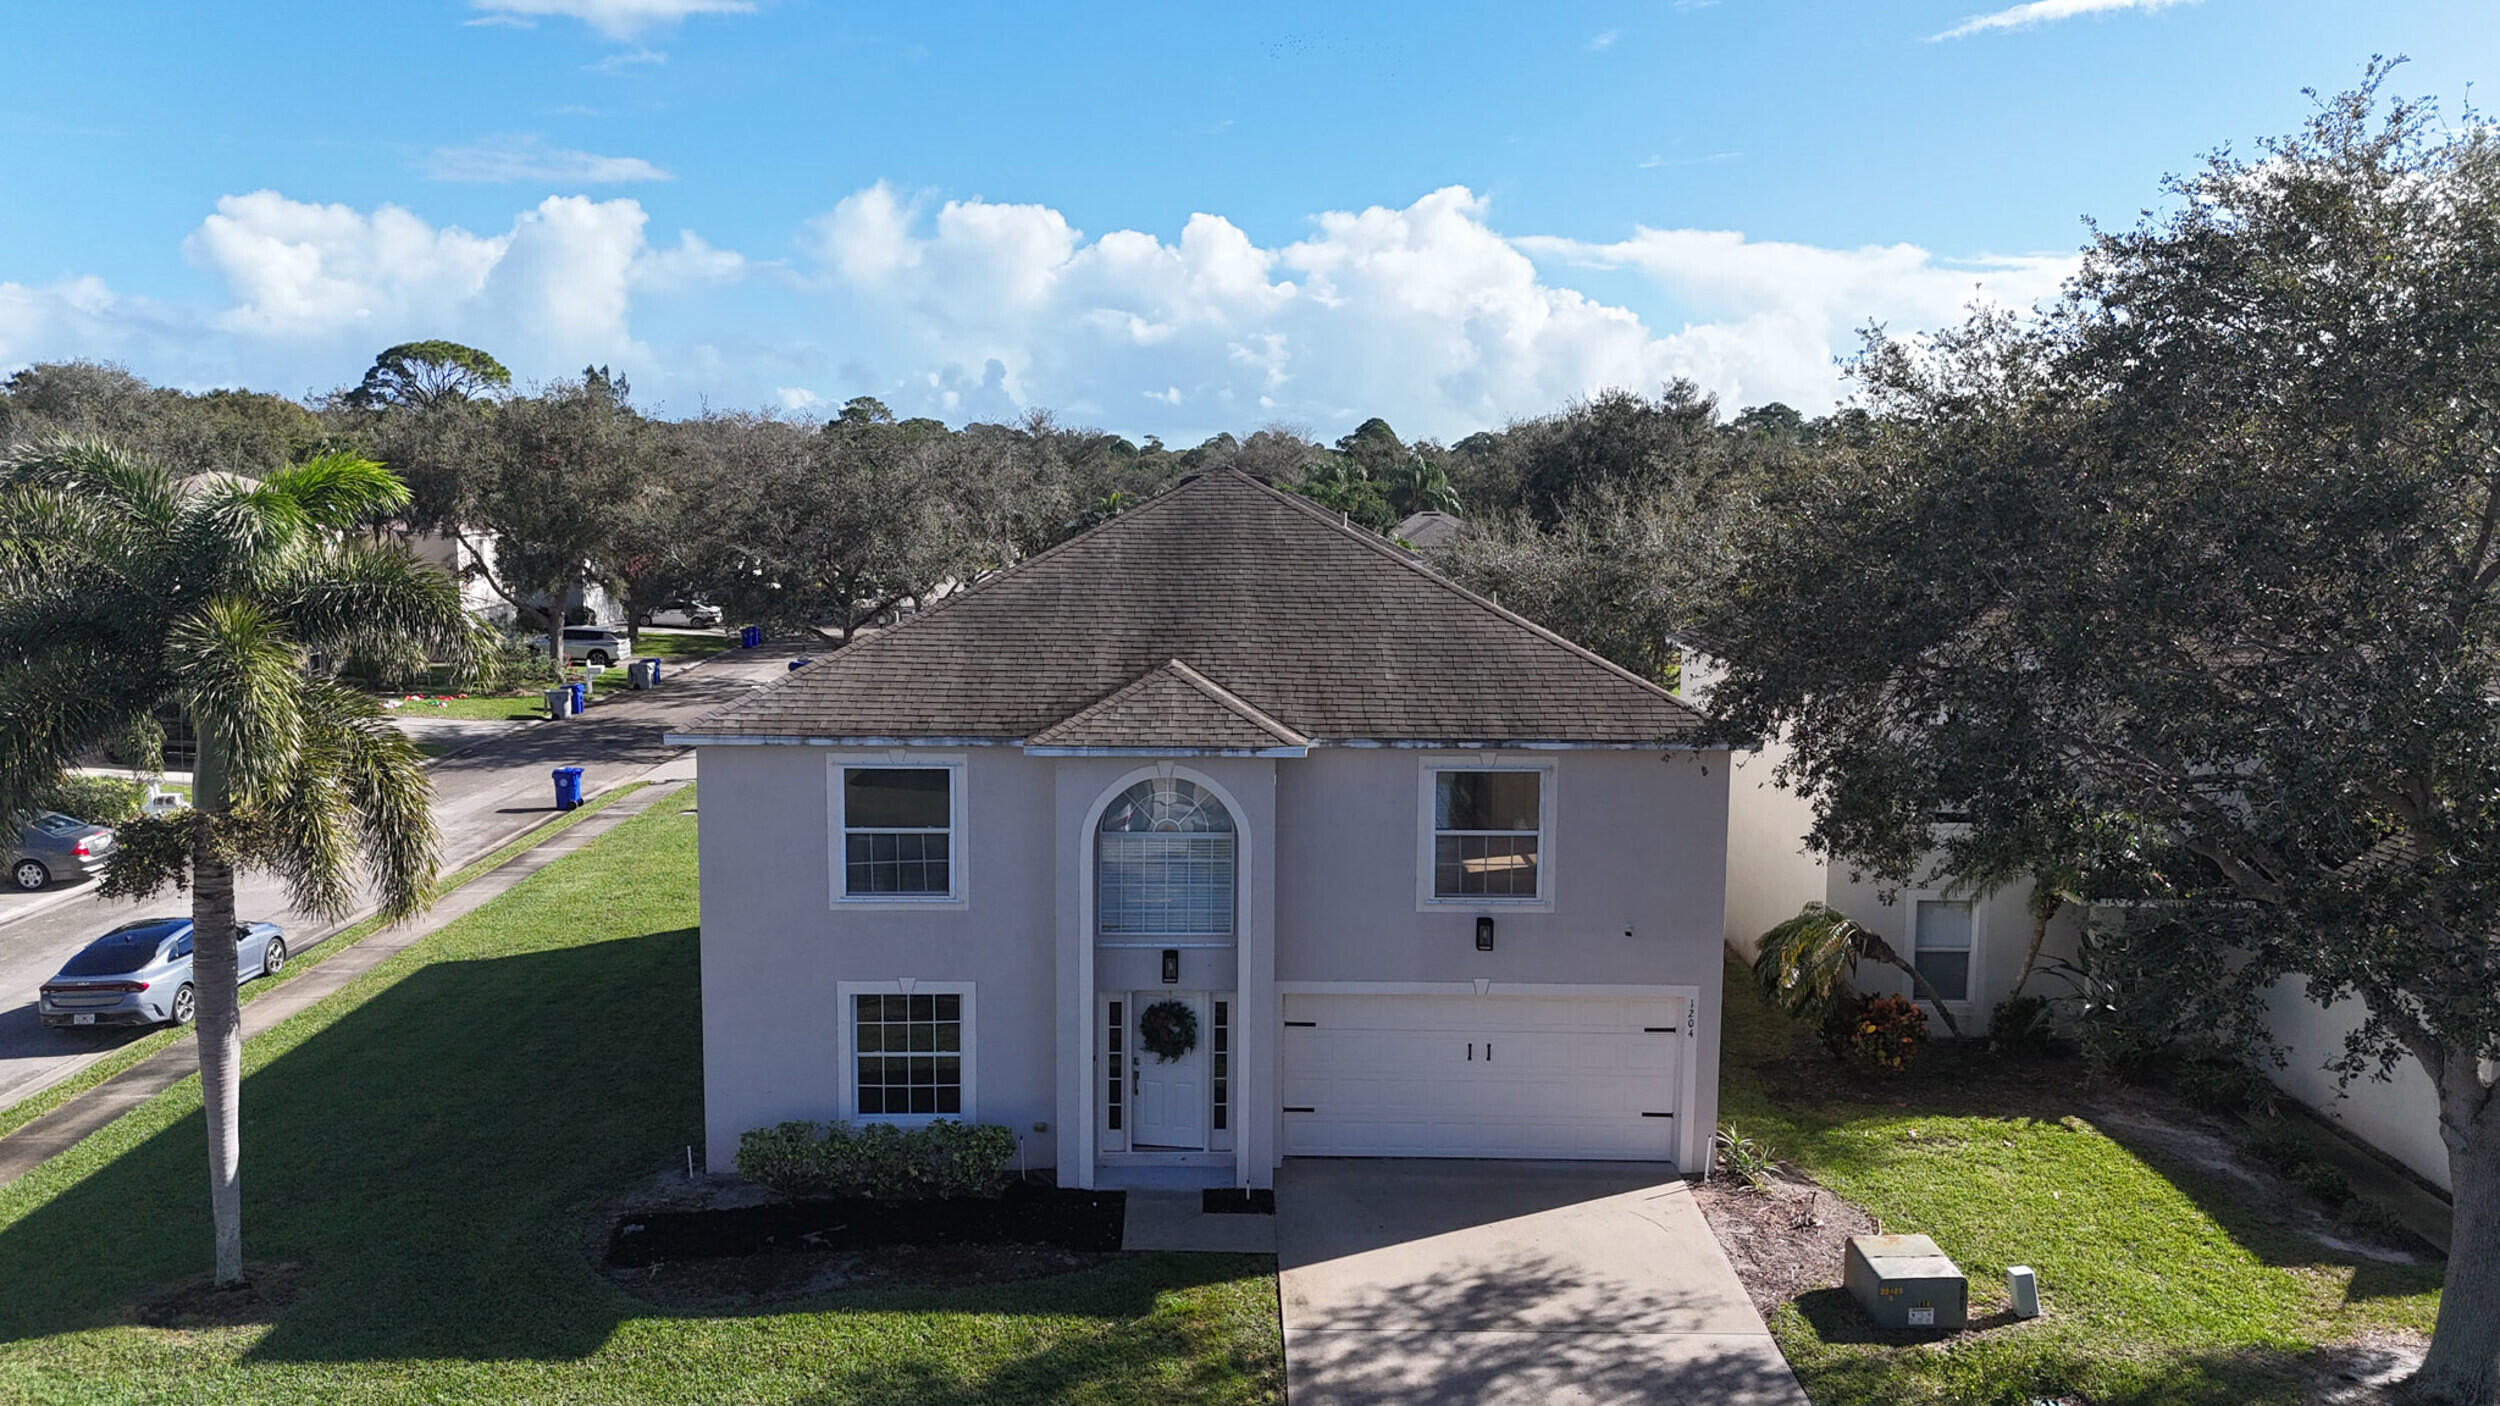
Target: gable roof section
(1172, 708)
(1324, 629)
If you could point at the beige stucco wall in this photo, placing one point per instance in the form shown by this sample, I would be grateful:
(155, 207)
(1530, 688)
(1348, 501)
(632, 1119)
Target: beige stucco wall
(2399, 1115)
(1329, 892)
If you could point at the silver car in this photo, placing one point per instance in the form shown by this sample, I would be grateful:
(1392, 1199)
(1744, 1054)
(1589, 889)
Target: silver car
(51, 846)
(589, 644)
(140, 974)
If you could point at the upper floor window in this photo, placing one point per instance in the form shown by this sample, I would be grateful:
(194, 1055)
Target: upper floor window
(898, 832)
(1488, 833)
(1164, 864)
(1940, 946)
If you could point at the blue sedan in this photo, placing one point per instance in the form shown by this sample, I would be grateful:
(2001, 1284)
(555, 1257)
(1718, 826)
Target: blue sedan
(140, 974)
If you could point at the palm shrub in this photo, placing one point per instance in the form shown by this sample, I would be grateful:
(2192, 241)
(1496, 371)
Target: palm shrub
(1803, 967)
(128, 593)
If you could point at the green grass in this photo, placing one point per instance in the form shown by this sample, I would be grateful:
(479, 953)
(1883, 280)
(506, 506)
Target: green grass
(683, 647)
(2162, 1284)
(35, 1105)
(428, 1148)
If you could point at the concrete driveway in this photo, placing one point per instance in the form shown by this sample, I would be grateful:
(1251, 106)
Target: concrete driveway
(1528, 1282)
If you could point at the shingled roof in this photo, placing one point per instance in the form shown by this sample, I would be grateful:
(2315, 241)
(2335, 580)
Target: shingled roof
(1222, 615)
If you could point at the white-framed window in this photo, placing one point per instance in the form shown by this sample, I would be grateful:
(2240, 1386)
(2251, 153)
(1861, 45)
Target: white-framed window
(1164, 858)
(898, 831)
(1940, 946)
(1486, 834)
(907, 1051)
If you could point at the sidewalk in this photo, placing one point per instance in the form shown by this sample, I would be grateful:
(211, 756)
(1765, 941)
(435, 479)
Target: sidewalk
(61, 1128)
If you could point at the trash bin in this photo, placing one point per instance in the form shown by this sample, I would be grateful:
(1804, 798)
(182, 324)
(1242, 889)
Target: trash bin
(797, 664)
(560, 701)
(655, 671)
(749, 636)
(568, 787)
(638, 674)
(581, 695)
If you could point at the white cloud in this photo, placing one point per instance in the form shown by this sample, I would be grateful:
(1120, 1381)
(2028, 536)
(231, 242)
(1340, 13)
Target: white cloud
(1605, 40)
(557, 287)
(528, 158)
(617, 19)
(1425, 314)
(2047, 12)
(626, 59)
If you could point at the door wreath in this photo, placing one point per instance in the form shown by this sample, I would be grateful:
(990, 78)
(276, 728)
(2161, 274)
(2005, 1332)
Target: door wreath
(1168, 1030)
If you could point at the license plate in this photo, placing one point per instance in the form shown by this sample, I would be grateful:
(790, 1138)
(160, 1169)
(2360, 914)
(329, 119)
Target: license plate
(83, 1018)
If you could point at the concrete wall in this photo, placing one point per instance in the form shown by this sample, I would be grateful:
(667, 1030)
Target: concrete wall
(2399, 1116)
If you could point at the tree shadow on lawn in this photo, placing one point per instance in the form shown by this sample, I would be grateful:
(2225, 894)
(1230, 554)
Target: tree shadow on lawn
(434, 1160)
(2197, 1154)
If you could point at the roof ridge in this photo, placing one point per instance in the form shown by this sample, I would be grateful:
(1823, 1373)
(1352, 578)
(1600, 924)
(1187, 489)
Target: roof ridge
(1242, 707)
(1197, 683)
(1388, 551)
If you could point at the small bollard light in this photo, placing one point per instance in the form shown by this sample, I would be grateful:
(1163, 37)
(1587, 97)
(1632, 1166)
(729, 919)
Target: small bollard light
(2023, 1287)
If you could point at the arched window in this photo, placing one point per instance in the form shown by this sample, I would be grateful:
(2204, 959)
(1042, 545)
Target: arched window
(1165, 864)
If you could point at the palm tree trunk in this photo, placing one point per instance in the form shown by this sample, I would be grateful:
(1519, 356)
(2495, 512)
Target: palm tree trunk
(218, 1002)
(2462, 1367)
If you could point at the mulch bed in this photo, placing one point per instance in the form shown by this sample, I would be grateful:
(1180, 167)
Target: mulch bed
(199, 1303)
(1786, 1240)
(1026, 1214)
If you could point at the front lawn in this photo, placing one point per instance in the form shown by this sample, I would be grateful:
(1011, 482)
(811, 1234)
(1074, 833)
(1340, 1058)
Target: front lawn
(424, 1158)
(2163, 1282)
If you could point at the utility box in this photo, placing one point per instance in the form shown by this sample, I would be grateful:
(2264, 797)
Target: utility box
(1905, 1282)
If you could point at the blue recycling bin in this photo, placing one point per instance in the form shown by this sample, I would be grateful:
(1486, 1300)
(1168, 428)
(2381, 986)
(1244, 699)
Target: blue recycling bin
(581, 697)
(568, 787)
(796, 665)
(750, 636)
(653, 679)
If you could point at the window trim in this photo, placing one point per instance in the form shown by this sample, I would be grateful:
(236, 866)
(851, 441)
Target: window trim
(1548, 799)
(1970, 980)
(846, 996)
(837, 879)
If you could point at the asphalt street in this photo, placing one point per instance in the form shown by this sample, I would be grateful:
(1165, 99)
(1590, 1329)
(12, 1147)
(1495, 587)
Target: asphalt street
(482, 798)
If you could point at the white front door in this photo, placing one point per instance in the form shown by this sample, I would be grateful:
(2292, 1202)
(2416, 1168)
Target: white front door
(1171, 1105)
(1571, 1076)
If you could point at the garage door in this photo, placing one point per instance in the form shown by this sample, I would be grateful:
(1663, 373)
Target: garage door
(1483, 1076)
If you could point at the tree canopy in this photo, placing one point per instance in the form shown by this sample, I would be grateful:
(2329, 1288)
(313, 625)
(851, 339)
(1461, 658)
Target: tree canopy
(2193, 583)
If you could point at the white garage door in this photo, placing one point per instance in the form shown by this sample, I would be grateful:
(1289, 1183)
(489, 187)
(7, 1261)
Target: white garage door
(1483, 1076)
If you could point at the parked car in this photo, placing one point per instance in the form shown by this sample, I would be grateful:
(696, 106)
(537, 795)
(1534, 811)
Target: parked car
(683, 615)
(51, 846)
(589, 644)
(140, 974)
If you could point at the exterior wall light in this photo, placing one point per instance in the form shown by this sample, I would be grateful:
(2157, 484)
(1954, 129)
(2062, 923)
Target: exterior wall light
(1171, 966)
(1484, 933)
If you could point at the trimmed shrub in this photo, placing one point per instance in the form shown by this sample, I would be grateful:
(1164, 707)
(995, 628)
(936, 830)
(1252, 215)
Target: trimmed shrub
(98, 800)
(2220, 1083)
(2020, 1026)
(2278, 1144)
(879, 1161)
(1885, 1031)
(2325, 1182)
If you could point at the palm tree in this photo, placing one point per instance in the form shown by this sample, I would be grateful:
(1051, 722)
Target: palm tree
(128, 594)
(1420, 486)
(1802, 967)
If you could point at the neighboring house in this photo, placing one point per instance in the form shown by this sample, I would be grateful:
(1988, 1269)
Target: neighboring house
(1970, 946)
(1426, 530)
(467, 556)
(1427, 879)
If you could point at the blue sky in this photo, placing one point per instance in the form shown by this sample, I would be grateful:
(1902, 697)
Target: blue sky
(1152, 218)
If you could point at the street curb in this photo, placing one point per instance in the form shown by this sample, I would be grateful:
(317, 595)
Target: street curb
(50, 901)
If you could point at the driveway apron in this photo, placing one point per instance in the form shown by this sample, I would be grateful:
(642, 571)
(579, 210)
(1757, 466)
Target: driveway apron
(1499, 1282)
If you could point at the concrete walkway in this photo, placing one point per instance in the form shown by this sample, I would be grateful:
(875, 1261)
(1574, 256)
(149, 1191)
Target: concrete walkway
(61, 1128)
(1512, 1282)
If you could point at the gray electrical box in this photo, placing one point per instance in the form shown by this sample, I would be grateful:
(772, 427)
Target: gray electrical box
(1904, 1281)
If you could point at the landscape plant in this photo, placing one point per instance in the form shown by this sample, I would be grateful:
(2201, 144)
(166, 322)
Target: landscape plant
(127, 591)
(879, 1161)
